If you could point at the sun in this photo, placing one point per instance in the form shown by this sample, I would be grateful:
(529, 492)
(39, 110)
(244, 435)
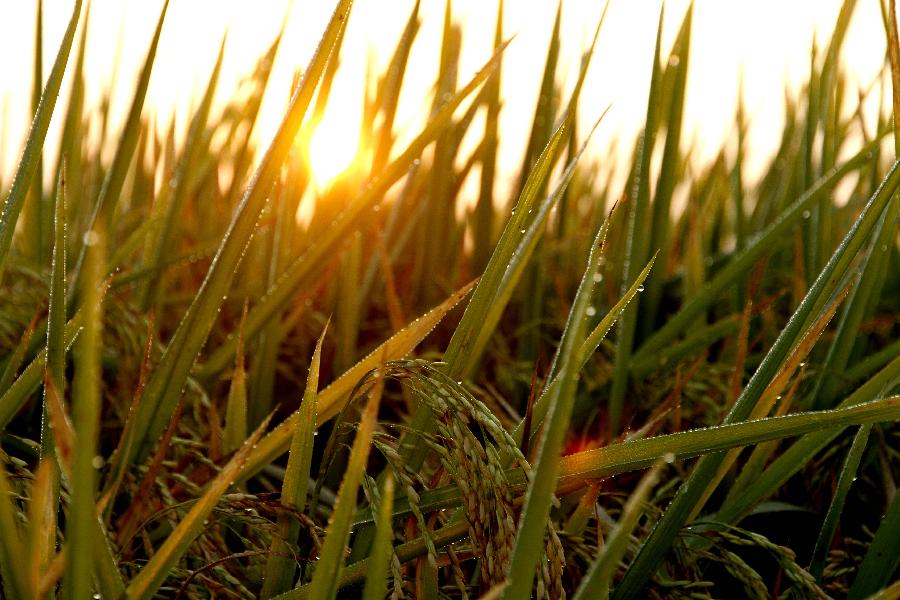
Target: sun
(334, 145)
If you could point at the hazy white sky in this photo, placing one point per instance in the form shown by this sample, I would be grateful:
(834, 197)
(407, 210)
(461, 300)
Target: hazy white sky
(768, 39)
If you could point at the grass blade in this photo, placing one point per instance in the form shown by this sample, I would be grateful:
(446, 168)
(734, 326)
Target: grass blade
(882, 558)
(56, 311)
(69, 149)
(29, 380)
(382, 547)
(561, 399)
(641, 453)
(349, 303)
(591, 342)
(115, 176)
(15, 360)
(331, 558)
(236, 408)
(15, 580)
(42, 511)
(541, 132)
(484, 208)
(280, 567)
(818, 230)
(597, 580)
(33, 219)
(433, 246)
(86, 405)
(845, 480)
(187, 164)
(56, 356)
(637, 246)
(698, 340)
(677, 68)
(891, 592)
(31, 156)
(545, 111)
(389, 92)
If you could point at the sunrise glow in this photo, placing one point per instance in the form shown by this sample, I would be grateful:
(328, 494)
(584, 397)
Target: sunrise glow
(334, 145)
(617, 78)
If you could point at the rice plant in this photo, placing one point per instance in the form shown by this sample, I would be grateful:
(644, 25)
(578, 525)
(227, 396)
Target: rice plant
(571, 392)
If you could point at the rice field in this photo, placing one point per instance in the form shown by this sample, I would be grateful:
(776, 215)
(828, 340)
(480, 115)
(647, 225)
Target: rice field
(582, 390)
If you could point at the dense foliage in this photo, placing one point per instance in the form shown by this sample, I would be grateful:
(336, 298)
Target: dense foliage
(166, 322)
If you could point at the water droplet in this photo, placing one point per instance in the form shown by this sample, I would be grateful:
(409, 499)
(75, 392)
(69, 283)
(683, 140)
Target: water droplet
(641, 288)
(597, 277)
(97, 462)
(521, 231)
(674, 60)
(590, 311)
(91, 238)
(669, 457)
(806, 214)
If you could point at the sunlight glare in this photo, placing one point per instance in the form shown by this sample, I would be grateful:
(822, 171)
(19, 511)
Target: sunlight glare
(182, 68)
(333, 145)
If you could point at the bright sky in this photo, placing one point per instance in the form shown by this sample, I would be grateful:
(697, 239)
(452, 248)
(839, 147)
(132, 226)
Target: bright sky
(768, 39)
